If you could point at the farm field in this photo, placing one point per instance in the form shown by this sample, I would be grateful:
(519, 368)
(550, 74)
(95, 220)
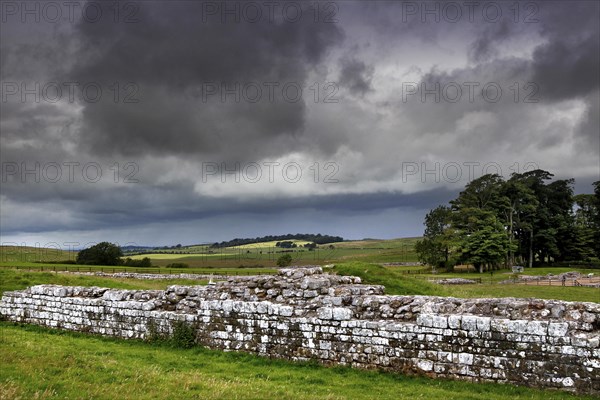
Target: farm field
(257, 255)
(40, 363)
(266, 254)
(358, 258)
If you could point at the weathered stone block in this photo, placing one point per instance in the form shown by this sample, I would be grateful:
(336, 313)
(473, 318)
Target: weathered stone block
(558, 328)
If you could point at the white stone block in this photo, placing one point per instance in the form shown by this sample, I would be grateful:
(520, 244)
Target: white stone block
(341, 314)
(325, 313)
(454, 321)
(425, 365)
(558, 328)
(469, 323)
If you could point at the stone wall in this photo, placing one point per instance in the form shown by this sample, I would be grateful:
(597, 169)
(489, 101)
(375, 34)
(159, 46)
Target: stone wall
(304, 314)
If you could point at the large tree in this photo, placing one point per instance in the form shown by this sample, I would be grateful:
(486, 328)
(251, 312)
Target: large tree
(529, 217)
(518, 206)
(484, 244)
(586, 216)
(535, 231)
(103, 253)
(597, 219)
(434, 248)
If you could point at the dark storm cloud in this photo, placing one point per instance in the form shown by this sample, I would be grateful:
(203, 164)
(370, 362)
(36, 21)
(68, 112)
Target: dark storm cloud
(355, 75)
(175, 60)
(563, 67)
(130, 207)
(483, 47)
(568, 69)
(171, 54)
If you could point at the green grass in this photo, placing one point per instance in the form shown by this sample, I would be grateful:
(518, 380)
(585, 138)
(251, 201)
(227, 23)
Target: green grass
(396, 282)
(393, 278)
(17, 280)
(39, 363)
(240, 270)
(25, 254)
(259, 255)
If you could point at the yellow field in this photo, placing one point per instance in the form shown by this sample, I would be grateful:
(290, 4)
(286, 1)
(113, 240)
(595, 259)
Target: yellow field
(263, 245)
(161, 256)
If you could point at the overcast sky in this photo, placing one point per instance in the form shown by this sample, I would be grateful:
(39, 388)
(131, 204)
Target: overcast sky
(165, 122)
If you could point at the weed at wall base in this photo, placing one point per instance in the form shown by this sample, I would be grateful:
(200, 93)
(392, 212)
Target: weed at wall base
(184, 335)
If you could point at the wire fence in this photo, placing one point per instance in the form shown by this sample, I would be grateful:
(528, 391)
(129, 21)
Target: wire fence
(582, 281)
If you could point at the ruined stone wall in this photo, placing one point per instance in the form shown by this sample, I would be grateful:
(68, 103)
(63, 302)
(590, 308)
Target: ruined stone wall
(304, 314)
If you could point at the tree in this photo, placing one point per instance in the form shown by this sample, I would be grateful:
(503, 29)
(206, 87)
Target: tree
(597, 219)
(486, 245)
(143, 263)
(285, 244)
(518, 205)
(434, 249)
(103, 253)
(535, 230)
(284, 261)
(481, 198)
(541, 221)
(482, 193)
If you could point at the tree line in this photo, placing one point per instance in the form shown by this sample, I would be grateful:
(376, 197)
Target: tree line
(105, 253)
(528, 219)
(317, 239)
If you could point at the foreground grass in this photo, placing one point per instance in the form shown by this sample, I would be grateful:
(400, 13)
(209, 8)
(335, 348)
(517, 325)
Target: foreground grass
(396, 282)
(48, 364)
(11, 279)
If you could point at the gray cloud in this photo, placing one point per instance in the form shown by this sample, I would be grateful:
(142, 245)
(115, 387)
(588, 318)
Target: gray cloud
(369, 133)
(566, 69)
(355, 75)
(174, 58)
(483, 47)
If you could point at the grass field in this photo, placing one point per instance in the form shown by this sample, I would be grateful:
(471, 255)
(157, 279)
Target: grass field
(397, 282)
(266, 254)
(11, 279)
(28, 254)
(258, 255)
(39, 363)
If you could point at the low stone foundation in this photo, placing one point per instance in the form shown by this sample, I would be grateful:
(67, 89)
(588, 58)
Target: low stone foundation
(303, 314)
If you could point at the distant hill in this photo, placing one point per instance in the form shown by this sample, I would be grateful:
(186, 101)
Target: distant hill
(137, 248)
(318, 239)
